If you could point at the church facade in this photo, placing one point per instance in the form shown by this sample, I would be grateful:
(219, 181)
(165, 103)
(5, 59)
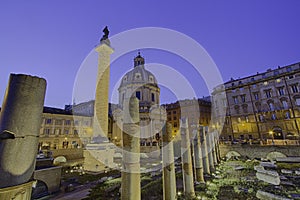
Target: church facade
(142, 84)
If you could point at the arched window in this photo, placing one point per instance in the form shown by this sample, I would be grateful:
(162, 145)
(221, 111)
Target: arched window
(138, 94)
(152, 97)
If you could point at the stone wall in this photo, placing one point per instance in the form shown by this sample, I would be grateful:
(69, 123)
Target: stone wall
(51, 176)
(258, 151)
(70, 154)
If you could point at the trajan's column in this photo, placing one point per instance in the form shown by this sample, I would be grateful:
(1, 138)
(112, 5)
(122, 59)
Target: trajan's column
(102, 86)
(96, 159)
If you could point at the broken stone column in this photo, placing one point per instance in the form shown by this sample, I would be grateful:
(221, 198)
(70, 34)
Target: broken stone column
(20, 122)
(214, 152)
(210, 149)
(169, 179)
(131, 188)
(187, 164)
(198, 156)
(217, 149)
(205, 160)
(219, 152)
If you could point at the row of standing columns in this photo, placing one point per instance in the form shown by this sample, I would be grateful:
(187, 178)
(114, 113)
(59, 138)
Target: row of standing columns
(200, 155)
(205, 156)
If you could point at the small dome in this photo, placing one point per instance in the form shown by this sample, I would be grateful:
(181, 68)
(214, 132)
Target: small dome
(139, 75)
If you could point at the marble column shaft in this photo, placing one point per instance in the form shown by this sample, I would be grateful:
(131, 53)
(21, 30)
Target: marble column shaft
(131, 188)
(204, 150)
(169, 179)
(218, 150)
(216, 142)
(198, 156)
(187, 166)
(210, 151)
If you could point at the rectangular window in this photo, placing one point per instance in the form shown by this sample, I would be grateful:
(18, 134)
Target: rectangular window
(74, 144)
(235, 100)
(261, 118)
(57, 131)
(268, 93)
(287, 115)
(281, 91)
(256, 97)
(47, 131)
(175, 124)
(294, 88)
(298, 101)
(67, 122)
(152, 97)
(285, 104)
(66, 131)
(48, 121)
(271, 106)
(75, 132)
(58, 122)
(65, 144)
(138, 95)
(243, 98)
(174, 112)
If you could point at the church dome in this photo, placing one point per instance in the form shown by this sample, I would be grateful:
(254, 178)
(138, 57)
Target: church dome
(140, 83)
(139, 75)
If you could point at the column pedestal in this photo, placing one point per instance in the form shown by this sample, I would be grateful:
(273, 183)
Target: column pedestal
(19, 192)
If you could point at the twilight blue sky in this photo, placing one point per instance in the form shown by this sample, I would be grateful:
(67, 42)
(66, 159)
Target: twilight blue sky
(51, 38)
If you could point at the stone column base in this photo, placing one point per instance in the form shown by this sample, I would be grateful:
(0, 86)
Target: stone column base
(18, 192)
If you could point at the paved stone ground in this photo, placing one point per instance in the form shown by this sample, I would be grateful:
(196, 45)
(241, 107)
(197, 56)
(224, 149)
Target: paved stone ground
(75, 195)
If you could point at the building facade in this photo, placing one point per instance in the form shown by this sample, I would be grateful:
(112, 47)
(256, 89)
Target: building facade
(60, 129)
(264, 106)
(197, 111)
